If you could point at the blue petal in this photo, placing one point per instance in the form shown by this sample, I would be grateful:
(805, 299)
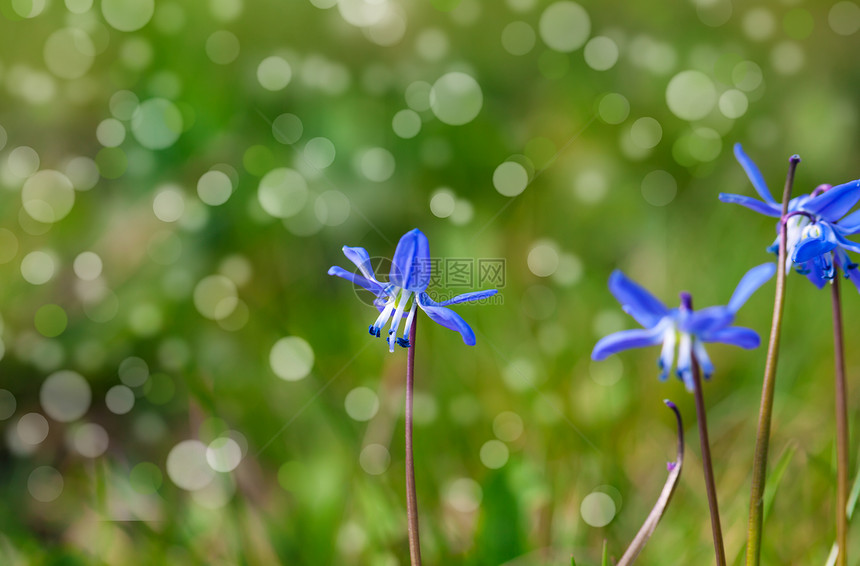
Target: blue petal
(410, 267)
(833, 204)
(854, 275)
(372, 286)
(626, 339)
(707, 320)
(447, 318)
(823, 264)
(850, 224)
(844, 260)
(361, 259)
(796, 204)
(636, 301)
(465, 297)
(736, 336)
(755, 204)
(812, 272)
(749, 284)
(849, 267)
(754, 174)
(846, 243)
(810, 248)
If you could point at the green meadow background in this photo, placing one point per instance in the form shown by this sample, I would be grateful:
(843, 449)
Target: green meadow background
(182, 383)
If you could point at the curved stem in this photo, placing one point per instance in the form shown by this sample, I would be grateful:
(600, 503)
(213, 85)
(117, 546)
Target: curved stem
(841, 426)
(659, 508)
(762, 442)
(707, 465)
(411, 497)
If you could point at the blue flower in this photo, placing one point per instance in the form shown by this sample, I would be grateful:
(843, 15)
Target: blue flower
(687, 328)
(816, 224)
(407, 282)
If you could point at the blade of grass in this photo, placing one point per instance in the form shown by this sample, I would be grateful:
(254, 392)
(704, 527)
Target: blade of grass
(776, 476)
(852, 506)
(774, 480)
(855, 495)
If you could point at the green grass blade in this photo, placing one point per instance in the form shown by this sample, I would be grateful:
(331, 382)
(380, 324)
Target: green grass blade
(853, 497)
(776, 476)
(770, 490)
(852, 506)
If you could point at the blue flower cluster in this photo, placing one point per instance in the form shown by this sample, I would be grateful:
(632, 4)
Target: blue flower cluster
(407, 283)
(816, 224)
(816, 228)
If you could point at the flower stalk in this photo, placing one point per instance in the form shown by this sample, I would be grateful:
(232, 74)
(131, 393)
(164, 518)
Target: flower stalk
(411, 497)
(841, 426)
(754, 530)
(707, 465)
(410, 275)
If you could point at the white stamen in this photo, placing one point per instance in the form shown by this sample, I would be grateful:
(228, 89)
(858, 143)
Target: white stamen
(395, 322)
(385, 314)
(827, 264)
(409, 317)
(794, 233)
(684, 361)
(667, 356)
(813, 231)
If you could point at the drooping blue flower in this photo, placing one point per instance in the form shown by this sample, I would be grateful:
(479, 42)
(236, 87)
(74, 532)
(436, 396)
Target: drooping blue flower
(686, 328)
(816, 225)
(407, 284)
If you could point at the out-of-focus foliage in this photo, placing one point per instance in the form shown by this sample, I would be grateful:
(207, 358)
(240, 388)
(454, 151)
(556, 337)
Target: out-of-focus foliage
(183, 384)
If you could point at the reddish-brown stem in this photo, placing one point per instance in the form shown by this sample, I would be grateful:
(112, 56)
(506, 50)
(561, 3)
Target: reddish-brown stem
(411, 497)
(707, 464)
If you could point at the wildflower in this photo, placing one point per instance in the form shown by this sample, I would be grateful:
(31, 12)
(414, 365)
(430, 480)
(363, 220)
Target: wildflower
(687, 328)
(815, 227)
(407, 284)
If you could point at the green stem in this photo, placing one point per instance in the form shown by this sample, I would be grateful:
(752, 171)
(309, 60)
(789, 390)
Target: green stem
(841, 426)
(411, 497)
(754, 530)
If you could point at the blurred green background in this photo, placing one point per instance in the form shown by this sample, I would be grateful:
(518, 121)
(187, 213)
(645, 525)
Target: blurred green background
(182, 383)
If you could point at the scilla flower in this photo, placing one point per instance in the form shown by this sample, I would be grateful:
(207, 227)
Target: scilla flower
(815, 227)
(405, 290)
(684, 327)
